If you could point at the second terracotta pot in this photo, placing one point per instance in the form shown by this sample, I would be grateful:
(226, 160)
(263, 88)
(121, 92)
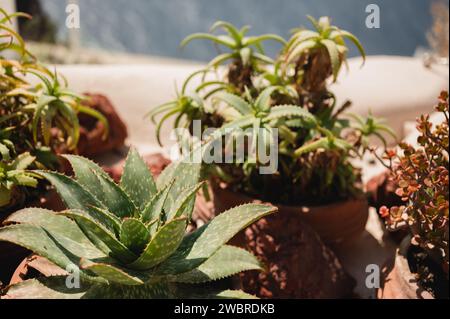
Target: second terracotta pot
(399, 282)
(337, 224)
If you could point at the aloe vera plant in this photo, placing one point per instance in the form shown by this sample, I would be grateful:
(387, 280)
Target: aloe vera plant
(13, 174)
(129, 240)
(246, 53)
(317, 138)
(326, 39)
(39, 118)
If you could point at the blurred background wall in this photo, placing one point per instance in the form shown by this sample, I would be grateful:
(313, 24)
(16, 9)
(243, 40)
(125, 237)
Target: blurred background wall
(156, 27)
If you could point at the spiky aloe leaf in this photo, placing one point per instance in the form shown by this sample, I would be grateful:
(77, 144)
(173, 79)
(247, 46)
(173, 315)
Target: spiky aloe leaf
(161, 291)
(192, 292)
(71, 192)
(113, 273)
(45, 288)
(162, 245)
(95, 180)
(184, 205)
(200, 245)
(183, 175)
(56, 288)
(334, 56)
(155, 207)
(84, 172)
(286, 111)
(262, 103)
(300, 49)
(115, 199)
(90, 226)
(227, 261)
(134, 235)
(236, 102)
(107, 219)
(42, 243)
(137, 181)
(231, 294)
(62, 229)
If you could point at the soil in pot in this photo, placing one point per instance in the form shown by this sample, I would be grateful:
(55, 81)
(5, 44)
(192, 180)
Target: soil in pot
(401, 279)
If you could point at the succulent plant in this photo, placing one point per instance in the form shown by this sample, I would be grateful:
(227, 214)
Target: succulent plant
(317, 139)
(325, 36)
(311, 57)
(42, 118)
(422, 180)
(129, 240)
(13, 174)
(245, 53)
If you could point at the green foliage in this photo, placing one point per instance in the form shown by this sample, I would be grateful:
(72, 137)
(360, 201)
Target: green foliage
(130, 240)
(288, 93)
(248, 51)
(421, 177)
(13, 174)
(326, 38)
(39, 118)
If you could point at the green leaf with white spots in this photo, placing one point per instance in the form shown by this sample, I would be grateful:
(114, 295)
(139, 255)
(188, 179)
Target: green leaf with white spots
(71, 192)
(134, 235)
(137, 181)
(85, 170)
(227, 261)
(46, 288)
(184, 205)
(41, 242)
(90, 226)
(113, 273)
(200, 245)
(115, 199)
(155, 208)
(162, 245)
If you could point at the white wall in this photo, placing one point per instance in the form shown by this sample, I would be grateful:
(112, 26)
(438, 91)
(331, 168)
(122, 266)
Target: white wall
(9, 6)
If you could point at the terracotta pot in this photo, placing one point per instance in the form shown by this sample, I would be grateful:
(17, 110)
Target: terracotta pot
(398, 282)
(34, 266)
(91, 141)
(336, 224)
(298, 264)
(10, 256)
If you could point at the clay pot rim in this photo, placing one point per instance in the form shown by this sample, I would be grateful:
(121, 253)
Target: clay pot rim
(402, 264)
(304, 208)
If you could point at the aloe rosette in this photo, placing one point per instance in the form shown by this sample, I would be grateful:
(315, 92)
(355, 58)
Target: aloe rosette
(129, 240)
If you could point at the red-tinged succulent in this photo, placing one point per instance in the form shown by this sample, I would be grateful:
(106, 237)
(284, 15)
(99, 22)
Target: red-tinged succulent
(421, 176)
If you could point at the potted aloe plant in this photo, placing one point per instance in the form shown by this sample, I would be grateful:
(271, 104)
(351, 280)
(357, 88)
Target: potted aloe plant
(250, 99)
(129, 240)
(420, 268)
(315, 179)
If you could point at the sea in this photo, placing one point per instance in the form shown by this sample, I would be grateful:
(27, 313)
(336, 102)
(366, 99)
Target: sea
(156, 27)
